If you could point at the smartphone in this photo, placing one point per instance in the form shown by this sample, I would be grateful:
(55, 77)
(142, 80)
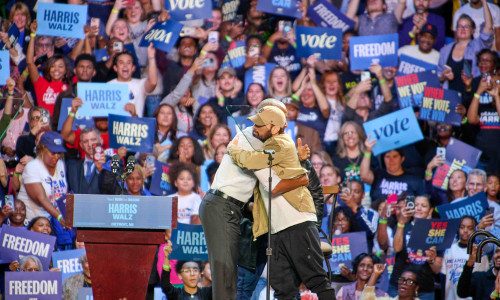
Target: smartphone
(208, 62)
(209, 24)
(447, 67)
(97, 152)
(468, 68)
(9, 200)
(44, 116)
(150, 161)
(365, 75)
(490, 210)
(318, 55)
(284, 26)
(154, 16)
(392, 198)
(213, 37)
(238, 19)
(118, 46)
(441, 151)
(41, 60)
(188, 31)
(345, 187)
(94, 22)
(253, 51)
(410, 202)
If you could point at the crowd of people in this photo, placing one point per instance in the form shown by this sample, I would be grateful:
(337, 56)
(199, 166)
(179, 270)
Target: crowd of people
(194, 92)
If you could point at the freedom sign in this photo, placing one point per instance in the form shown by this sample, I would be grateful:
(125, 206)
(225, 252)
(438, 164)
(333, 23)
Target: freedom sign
(324, 14)
(160, 185)
(102, 99)
(188, 243)
(379, 49)
(410, 65)
(410, 88)
(163, 35)
(63, 20)
(33, 285)
(286, 8)
(78, 122)
(4, 66)
(345, 247)
(427, 233)
(472, 206)
(439, 105)
(187, 10)
(394, 130)
(18, 242)
(136, 134)
(67, 261)
(325, 43)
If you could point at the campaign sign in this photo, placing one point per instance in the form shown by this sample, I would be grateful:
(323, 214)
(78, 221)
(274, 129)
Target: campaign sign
(236, 55)
(410, 65)
(258, 74)
(383, 282)
(471, 206)
(160, 182)
(229, 9)
(188, 243)
(437, 233)
(67, 261)
(394, 130)
(137, 134)
(286, 8)
(18, 242)
(163, 35)
(33, 285)
(101, 54)
(410, 88)
(459, 156)
(379, 49)
(13, 34)
(85, 293)
(324, 14)
(325, 43)
(159, 295)
(439, 105)
(187, 10)
(78, 122)
(62, 20)
(101, 99)
(4, 66)
(345, 248)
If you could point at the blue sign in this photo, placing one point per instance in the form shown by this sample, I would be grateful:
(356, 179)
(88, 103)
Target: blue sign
(410, 88)
(187, 10)
(345, 248)
(101, 54)
(160, 182)
(62, 20)
(33, 285)
(188, 243)
(102, 99)
(236, 55)
(110, 211)
(163, 35)
(394, 130)
(79, 122)
(410, 65)
(286, 8)
(136, 134)
(258, 74)
(4, 66)
(325, 43)
(17, 242)
(439, 105)
(380, 49)
(85, 293)
(67, 261)
(473, 206)
(324, 14)
(427, 233)
(13, 37)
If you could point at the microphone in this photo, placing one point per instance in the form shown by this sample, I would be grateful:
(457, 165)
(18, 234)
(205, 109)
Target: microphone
(130, 164)
(115, 164)
(269, 151)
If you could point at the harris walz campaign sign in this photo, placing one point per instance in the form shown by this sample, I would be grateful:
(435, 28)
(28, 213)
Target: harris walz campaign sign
(186, 10)
(188, 243)
(345, 247)
(101, 99)
(410, 88)
(324, 14)
(163, 35)
(136, 134)
(379, 49)
(472, 206)
(33, 285)
(325, 43)
(62, 20)
(427, 233)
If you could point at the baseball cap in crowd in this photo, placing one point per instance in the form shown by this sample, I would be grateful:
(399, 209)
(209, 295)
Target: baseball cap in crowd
(430, 29)
(53, 141)
(290, 101)
(228, 70)
(269, 115)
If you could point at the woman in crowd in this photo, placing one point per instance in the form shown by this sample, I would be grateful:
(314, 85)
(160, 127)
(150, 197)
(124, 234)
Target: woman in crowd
(488, 63)
(204, 120)
(456, 183)
(255, 95)
(15, 216)
(40, 225)
(331, 86)
(219, 134)
(492, 187)
(408, 285)
(20, 16)
(185, 179)
(166, 130)
(350, 149)
(186, 150)
(320, 159)
(362, 265)
(279, 84)
(134, 183)
(205, 85)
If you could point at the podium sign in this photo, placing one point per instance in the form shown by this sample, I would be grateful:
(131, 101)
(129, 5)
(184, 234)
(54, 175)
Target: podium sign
(131, 212)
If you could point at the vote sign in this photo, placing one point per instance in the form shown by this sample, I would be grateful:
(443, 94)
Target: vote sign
(410, 88)
(163, 35)
(62, 20)
(325, 43)
(394, 130)
(186, 10)
(439, 105)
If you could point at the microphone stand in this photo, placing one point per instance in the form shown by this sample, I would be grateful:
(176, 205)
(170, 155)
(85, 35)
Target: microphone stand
(269, 250)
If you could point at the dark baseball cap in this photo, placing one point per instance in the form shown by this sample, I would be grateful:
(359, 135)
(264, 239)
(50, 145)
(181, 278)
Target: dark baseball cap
(430, 29)
(53, 141)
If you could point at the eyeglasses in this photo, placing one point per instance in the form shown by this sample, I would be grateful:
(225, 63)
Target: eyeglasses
(35, 118)
(475, 184)
(344, 220)
(406, 281)
(349, 133)
(318, 164)
(464, 27)
(43, 45)
(190, 271)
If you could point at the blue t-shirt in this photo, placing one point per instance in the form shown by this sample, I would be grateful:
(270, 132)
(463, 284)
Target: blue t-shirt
(312, 117)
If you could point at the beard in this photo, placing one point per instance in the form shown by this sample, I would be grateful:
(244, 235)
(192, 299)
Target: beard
(262, 138)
